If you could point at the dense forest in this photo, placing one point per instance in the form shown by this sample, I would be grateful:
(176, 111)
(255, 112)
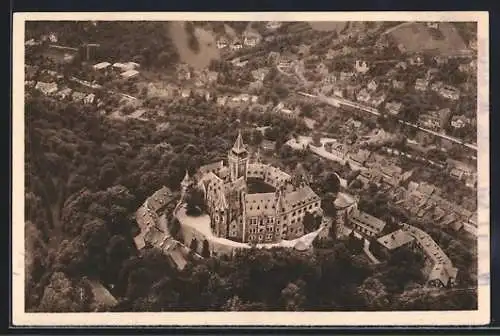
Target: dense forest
(85, 177)
(119, 41)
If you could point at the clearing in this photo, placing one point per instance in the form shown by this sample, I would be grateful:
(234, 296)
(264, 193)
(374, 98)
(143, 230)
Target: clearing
(417, 37)
(208, 49)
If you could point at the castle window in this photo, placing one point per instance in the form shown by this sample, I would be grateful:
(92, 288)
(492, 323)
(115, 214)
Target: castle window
(258, 207)
(260, 237)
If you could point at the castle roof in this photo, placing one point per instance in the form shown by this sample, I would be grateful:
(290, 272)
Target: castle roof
(260, 204)
(343, 201)
(239, 146)
(395, 239)
(368, 221)
(216, 166)
(299, 196)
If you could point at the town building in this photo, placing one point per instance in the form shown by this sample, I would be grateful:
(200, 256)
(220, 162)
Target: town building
(360, 157)
(378, 99)
(429, 121)
(388, 244)
(46, 88)
(322, 69)
(129, 74)
(459, 121)
(78, 96)
(222, 43)
(29, 83)
(398, 85)
(236, 45)
(338, 149)
(416, 60)
(363, 96)
(330, 78)
(260, 74)
(272, 25)
(346, 75)
(239, 212)
(64, 93)
(101, 66)
(338, 92)
(402, 65)
(449, 92)
(438, 268)
(365, 224)
(421, 84)
(372, 85)
(89, 99)
(432, 25)
(436, 86)
(251, 39)
(186, 93)
(153, 230)
(361, 67)
(268, 146)
(393, 107)
(183, 72)
(345, 205)
(440, 60)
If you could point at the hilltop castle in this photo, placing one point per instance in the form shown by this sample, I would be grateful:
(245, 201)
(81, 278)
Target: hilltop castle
(253, 202)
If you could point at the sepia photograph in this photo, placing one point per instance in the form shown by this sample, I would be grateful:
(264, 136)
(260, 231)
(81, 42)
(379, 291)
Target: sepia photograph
(242, 169)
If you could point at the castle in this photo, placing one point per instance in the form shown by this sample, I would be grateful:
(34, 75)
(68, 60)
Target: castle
(239, 212)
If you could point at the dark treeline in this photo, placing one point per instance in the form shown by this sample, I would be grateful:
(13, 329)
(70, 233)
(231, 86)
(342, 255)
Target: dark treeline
(119, 41)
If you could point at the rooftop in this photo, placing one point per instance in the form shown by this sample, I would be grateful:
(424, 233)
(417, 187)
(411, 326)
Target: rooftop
(370, 222)
(395, 239)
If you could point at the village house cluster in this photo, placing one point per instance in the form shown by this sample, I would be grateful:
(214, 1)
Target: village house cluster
(118, 70)
(248, 39)
(52, 84)
(438, 268)
(153, 228)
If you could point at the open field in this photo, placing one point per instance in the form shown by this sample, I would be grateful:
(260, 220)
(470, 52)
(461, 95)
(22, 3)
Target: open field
(208, 49)
(417, 37)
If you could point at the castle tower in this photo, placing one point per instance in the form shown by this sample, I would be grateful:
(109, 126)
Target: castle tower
(257, 157)
(185, 183)
(300, 177)
(238, 159)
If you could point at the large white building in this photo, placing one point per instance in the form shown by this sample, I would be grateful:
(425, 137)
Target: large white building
(240, 213)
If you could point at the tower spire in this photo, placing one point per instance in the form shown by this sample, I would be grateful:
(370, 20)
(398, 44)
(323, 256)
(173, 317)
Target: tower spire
(186, 181)
(239, 146)
(257, 157)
